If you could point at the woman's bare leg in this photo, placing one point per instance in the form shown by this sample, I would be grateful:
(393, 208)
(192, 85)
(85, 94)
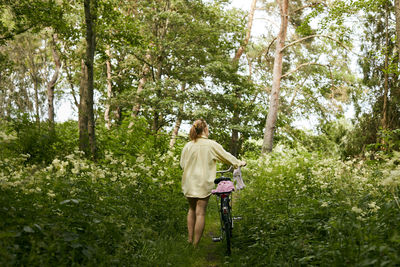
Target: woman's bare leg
(191, 218)
(201, 207)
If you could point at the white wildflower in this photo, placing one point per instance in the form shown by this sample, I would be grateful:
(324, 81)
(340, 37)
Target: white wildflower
(139, 159)
(389, 181)
(56, 162)
(356, 209)
(373, 206)
(70, 157)
(51, 193)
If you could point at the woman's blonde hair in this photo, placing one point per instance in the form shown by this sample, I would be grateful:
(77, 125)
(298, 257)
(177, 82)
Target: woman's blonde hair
(197, 129)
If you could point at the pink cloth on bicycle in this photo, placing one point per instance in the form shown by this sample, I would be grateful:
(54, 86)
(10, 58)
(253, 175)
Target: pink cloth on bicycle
(224, 187)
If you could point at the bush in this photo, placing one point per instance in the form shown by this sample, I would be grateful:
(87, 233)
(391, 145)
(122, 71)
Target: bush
(73, 211)
(304, 208)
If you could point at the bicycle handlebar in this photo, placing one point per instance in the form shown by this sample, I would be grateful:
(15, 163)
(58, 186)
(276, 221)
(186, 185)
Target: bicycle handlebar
(228, 170)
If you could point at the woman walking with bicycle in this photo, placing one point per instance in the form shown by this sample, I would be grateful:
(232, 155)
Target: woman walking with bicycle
(198, 161)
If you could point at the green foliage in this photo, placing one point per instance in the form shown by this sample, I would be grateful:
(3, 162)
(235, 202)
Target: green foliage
(123, 141)
(303, 208)
(299, 207)
(118, 211)
(40, 142)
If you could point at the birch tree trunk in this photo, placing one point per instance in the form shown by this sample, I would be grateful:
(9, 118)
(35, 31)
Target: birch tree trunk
(109, 89)
(142, 83)
(34, 73)
(178, 123)
(276, 80)
(51, 85)
(175, 132)
(87, 140)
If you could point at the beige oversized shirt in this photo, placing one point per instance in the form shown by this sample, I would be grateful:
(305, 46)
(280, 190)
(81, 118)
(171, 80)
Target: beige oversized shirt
(199, 164)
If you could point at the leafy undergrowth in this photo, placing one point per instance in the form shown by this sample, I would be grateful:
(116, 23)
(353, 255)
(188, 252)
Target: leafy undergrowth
(76, 212)
(302, 208)
(299, 208)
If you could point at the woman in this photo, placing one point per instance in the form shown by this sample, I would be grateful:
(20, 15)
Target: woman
(198, 161)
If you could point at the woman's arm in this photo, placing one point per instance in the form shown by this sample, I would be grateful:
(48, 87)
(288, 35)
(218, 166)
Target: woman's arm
(222, 155)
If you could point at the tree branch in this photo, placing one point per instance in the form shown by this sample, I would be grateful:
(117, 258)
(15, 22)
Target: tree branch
(310, 5)
(243, 46)
(270, 44)
(11, 35)
(71, 83)
(317, 35)
(300, 66)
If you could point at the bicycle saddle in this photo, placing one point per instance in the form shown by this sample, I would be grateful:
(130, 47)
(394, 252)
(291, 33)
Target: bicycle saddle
(216, 181)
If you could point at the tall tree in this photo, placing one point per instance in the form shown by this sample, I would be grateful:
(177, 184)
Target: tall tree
(52, 83)
(87, 138)
(380, 70)
(310, 55)
(397, 16)
(276, 78)
(234, 146)
(109, 89)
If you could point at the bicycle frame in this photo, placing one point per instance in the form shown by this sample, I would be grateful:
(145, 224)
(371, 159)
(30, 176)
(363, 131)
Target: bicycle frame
(225, 210)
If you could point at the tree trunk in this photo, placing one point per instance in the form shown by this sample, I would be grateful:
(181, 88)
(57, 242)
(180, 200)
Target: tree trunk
(178, 122)
(51, 85)
(157, 114)
(83, 115)
(109, 89)
(386, 75)
(241, 49)
(87, 140)
(276, 80)
(142, 83)
(174, 134)
(234, 146)
(397, 14)
(36, 89)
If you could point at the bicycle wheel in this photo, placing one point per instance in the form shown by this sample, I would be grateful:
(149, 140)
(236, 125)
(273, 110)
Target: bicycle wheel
(227, 224)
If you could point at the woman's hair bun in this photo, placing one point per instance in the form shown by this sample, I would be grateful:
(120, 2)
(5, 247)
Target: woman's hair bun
(197, 129)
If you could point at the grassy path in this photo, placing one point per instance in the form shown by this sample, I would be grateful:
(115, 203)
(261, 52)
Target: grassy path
(209, 253)
(176, 251)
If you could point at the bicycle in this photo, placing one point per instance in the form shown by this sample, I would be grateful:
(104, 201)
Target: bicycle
(225, 209)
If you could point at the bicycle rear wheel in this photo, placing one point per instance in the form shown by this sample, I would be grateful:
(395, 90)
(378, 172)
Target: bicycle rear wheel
(227, 224)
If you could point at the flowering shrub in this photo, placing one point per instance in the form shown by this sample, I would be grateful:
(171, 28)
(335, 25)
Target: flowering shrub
(75, 211)
(127, 209)
(303, 208)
